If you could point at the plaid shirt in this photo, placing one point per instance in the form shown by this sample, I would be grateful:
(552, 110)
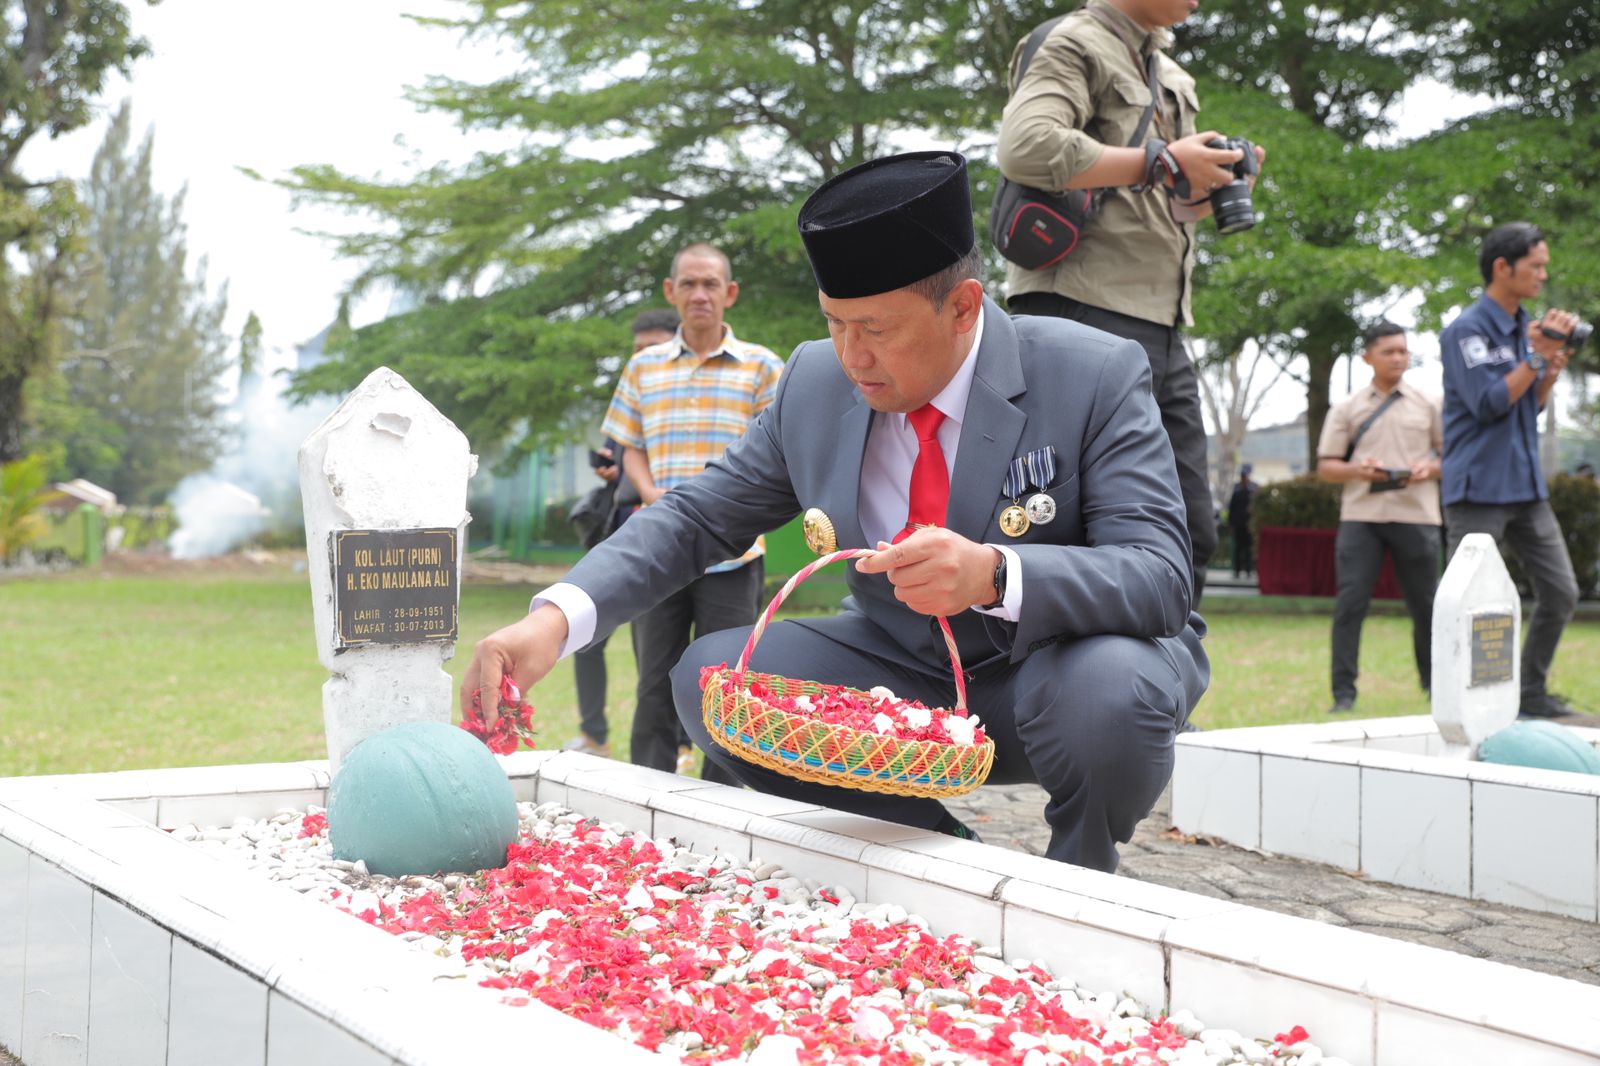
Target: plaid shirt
(683, 411)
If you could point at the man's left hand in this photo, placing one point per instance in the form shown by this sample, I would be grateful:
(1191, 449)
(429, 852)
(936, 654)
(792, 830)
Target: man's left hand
(935, 571)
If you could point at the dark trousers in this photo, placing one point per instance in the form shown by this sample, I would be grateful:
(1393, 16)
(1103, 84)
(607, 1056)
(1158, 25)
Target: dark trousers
(1243, 557)
(1359, 557)
(1533, 533)
(709, 604)
(589, 665)
(1172, 381)
(1091, 720)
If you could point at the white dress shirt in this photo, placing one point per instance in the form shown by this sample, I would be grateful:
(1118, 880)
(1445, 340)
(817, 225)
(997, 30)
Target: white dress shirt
(883, 500)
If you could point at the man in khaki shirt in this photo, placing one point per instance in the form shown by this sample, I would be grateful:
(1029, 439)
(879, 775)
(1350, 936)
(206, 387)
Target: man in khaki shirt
(1391, 501)
(1067, 126)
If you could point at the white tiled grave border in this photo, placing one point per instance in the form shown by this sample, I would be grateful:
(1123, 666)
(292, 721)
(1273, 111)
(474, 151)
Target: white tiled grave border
(1379, 797)
(120, 944)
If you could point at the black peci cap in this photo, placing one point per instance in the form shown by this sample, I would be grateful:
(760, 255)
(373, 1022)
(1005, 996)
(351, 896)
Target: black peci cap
(887, 223)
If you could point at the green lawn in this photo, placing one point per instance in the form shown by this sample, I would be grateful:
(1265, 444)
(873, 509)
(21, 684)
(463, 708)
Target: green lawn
(103, 672)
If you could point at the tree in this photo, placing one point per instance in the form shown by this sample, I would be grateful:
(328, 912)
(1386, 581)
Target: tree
(55, 61)
(640, 126)
(1232, 396)
(1318, 86)
(144, 341)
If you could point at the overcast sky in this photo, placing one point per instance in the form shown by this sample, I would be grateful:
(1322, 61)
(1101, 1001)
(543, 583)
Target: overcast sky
(269, 86)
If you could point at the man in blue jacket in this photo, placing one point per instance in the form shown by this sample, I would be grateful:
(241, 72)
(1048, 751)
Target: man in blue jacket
(1499, 369)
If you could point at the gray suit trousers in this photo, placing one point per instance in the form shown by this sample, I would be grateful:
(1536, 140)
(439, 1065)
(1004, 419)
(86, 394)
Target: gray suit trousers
(1091, 720)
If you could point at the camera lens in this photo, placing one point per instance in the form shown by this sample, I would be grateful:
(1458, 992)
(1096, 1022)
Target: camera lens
(1232, 207)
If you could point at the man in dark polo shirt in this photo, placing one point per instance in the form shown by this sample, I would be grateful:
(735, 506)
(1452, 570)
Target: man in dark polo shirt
(1383, 445)
(1499, 369)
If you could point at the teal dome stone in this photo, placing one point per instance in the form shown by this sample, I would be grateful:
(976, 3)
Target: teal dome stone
(421, 798)
(1544, 745)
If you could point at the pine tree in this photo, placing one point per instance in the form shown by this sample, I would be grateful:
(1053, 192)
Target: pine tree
(145, 344)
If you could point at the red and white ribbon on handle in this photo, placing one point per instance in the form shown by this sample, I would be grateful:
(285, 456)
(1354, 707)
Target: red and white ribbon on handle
(805, 572)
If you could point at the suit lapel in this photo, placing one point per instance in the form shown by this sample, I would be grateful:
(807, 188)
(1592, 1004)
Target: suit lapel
(990, 429)
(844, 477)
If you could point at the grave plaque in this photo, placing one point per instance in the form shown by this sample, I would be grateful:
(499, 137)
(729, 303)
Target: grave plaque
(394, 586)
(1476, 620)
(1492, 648)
(384, 483)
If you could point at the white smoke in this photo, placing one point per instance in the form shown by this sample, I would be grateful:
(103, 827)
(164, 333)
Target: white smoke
(255, 486)
(214, 516)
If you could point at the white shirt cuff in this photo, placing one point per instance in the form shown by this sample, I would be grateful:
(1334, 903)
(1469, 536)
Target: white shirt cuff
(579, 609)
(1010, 609)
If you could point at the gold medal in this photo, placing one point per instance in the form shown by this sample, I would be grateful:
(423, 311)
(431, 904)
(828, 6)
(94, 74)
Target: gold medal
(819, 533)
(1014, 520)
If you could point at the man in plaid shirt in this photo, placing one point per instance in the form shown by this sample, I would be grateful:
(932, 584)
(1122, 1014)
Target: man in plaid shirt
(677, 407)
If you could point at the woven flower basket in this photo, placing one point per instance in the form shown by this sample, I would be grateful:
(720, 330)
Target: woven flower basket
(803, 747)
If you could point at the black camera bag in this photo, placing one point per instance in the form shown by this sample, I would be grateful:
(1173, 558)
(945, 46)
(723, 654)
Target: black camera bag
(1036, 229)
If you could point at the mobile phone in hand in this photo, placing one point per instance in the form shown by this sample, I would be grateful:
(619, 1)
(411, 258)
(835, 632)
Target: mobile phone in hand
(597, 459)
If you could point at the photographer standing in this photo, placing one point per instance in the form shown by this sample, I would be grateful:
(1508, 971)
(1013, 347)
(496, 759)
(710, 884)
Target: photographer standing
(1383, 444)
(1499, 368)
(1081, 116)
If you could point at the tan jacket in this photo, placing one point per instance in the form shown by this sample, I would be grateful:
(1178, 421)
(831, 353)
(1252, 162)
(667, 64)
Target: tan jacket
(1085, 89)
(1410, 430)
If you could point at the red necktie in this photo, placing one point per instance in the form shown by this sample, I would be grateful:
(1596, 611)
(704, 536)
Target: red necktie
(930, 480)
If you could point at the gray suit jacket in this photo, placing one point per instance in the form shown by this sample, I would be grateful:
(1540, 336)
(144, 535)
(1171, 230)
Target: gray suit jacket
(1114, 560)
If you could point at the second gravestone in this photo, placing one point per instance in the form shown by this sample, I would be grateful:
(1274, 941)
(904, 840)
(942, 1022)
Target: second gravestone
(1477, 617)
(384, 484)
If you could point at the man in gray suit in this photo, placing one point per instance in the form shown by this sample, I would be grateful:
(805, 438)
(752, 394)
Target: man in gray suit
(1014, 476)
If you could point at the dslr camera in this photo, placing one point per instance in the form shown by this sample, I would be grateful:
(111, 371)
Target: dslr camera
(1230, 204)
(1574, 340)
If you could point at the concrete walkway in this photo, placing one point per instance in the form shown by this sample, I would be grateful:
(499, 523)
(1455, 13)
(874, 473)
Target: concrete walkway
(1012, 816)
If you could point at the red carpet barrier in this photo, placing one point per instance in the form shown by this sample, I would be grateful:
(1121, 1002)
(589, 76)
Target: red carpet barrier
(1301, 562)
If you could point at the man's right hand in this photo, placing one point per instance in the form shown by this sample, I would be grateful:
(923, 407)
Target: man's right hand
(527, 650)
(1371, 470)
(1559, 321)
(1206, 168)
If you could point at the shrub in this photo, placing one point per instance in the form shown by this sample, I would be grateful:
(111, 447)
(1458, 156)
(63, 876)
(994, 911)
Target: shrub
(144, 526)
(1576, 503)
(1303, 502)
(21, 492)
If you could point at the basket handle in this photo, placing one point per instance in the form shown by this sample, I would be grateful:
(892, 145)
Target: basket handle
(811, 568)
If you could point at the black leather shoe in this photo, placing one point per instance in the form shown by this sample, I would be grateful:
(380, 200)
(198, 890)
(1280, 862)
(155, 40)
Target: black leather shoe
(1342, 704)
(1546, 705)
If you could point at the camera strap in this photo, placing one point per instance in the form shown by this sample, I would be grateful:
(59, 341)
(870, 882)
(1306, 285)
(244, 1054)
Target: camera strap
(1394, 395)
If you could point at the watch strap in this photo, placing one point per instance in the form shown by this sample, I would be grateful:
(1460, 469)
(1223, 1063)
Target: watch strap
(999, 583)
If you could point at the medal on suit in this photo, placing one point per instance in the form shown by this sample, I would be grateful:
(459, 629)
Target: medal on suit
(1041, 466)
(1035, 470)
(819, 534)
(1014, 520)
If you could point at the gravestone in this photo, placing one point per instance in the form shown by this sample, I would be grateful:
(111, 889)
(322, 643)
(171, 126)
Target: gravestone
(384, 484)
(1477, 620)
